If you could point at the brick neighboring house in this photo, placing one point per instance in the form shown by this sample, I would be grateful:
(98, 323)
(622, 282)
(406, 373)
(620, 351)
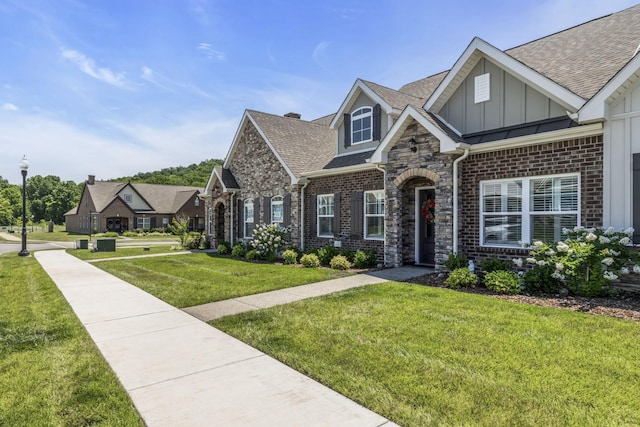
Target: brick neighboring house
(505, 148)
(117, 206)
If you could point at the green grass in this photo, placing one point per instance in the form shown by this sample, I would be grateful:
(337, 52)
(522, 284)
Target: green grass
(425, 356)
(51, 373)
(185, 281)
(121, 251)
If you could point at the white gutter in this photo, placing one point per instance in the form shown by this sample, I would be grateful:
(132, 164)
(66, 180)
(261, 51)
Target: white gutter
(455, 199)
(384, 187)
(301, 228)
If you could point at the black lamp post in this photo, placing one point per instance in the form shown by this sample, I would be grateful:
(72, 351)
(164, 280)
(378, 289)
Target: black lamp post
(24, 165)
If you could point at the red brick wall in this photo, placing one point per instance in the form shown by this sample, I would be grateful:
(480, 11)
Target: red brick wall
(345, 185)
(583, 156)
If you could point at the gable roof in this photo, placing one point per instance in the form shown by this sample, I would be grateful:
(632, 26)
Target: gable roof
(161, 198)
(224, 177)
(298, 144)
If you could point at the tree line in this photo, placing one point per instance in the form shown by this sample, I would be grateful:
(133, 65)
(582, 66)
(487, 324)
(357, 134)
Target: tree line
(49, 198)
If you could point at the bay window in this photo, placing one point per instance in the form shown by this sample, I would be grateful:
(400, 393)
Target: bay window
(520, 210)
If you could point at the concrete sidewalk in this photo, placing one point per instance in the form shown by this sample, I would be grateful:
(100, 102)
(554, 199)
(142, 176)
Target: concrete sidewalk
(180, 371)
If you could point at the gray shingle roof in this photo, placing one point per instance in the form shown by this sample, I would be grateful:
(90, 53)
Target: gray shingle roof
(423, 88)
(397, 99)
(304, 146)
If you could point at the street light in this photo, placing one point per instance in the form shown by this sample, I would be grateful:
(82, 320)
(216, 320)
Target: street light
(24, 165)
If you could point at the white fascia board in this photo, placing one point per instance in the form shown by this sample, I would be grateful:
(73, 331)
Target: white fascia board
(339, 171)
(540, 138)
(362, 86)
(236, 139)
(534, 79)
(446, 143)
(595, 108)
(207, 188)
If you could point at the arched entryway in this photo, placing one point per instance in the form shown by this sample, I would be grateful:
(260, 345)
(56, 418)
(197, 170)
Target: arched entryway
(219, 223)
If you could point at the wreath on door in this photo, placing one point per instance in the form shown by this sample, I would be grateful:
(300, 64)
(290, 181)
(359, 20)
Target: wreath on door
(428, 210)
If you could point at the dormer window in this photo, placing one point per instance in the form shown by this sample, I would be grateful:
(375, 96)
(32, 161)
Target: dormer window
(361, 125)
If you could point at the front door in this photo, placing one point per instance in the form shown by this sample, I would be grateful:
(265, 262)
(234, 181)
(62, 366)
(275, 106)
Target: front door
(425, 227)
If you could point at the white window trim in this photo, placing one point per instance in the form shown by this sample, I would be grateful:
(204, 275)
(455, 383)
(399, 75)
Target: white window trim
(144, 220)
(127, 197)
(360, 117)
(277, 201)
(248, 203)
(526, 211)
(366, 237)
(318, 216)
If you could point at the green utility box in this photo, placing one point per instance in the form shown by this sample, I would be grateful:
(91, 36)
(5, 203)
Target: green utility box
(82, 244)
(105, 245)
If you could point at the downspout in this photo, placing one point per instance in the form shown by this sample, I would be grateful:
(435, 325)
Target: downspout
(301, 228)
(455, 198)
(384, 188)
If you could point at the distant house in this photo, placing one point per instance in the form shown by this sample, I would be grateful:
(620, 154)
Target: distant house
(117, 206)
(505, 148)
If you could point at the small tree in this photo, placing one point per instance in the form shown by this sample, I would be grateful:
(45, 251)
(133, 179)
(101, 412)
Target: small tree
(180, 227)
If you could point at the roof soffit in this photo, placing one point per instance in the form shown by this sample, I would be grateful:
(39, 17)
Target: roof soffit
(478, 49)
(359, 87)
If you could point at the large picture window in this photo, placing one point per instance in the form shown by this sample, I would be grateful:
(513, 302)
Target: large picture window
(374, 215)
(248, 218)
(361, 125)
(525, 210)
(277, 210)
(325, 215)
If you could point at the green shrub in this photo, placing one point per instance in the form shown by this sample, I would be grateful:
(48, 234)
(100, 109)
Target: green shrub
(503, 282)
(461, 277)
(223, 248)
(238, 250)
(494, 263)
(326, 254)
(456, 261)
(310, 260)
(290, 256)
(251, 254)
(193, 240)
(365, 259)
(540, 279)
(348, 254)
(340, 262)
(110, 234)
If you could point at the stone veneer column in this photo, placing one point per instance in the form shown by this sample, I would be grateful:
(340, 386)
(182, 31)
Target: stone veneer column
(393, 225)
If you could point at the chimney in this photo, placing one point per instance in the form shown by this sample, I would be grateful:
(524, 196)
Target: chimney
(293, 115)
(91, 180)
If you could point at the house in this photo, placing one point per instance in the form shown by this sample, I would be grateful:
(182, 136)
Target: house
(118, 206)
(505, 148)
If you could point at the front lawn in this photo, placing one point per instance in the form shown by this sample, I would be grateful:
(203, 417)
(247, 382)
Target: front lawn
(427, 356)
(185, 281)
(51, 373)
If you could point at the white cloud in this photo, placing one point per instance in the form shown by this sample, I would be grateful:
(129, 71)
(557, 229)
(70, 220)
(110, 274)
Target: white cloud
(210, 52)
(170, 85)
(9, 107)
(88, 66)
(319, 53)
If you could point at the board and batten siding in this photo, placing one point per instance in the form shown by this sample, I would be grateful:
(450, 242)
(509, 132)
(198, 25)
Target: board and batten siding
(511, 102)
(621, 162)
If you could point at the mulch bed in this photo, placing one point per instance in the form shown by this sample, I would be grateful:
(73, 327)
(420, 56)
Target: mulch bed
(622, 304)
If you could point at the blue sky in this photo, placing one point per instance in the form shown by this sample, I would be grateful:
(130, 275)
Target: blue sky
(115, 87)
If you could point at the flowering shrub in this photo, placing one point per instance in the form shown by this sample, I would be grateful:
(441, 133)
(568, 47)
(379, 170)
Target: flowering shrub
(269, 240)
(588, 259)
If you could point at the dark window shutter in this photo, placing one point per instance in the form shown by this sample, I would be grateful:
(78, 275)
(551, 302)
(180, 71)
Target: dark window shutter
(336, 214)
(240, 219)
(256, 211)
(347, 130)
(636, 198)
(313, 216)
(135, 222)
(377, 122)
(357, 214)
(152, 222)
(286, 210)
(266, 208)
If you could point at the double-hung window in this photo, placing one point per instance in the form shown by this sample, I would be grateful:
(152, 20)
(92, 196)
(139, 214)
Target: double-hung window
(528, 209)
(248, 218)
(325, 215)
(144, 223)
(277, 210)
(361, 125)
(374, 214)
